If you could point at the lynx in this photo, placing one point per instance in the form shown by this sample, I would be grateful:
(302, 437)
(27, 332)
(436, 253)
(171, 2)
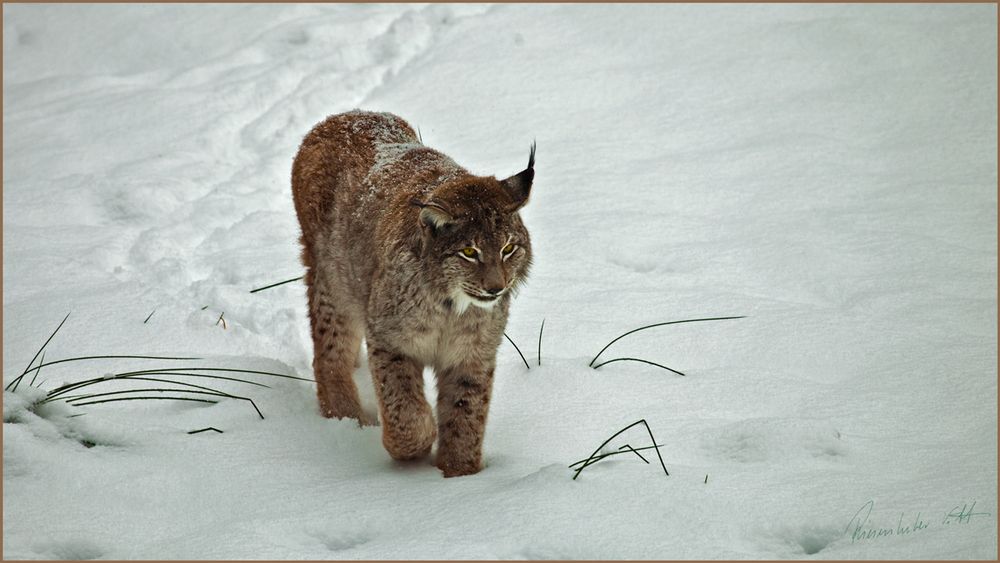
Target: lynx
(408, 250)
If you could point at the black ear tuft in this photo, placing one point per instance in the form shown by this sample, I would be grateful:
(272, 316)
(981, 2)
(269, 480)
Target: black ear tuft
(518, 186)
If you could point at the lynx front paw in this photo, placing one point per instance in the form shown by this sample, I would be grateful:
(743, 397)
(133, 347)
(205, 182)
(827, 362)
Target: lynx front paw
(337, 406)
(457, 468)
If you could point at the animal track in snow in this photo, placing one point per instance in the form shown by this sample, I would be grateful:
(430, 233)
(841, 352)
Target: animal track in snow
(797, 541)
(219, 214)
(335, 540)
(69, 549)
(773, 439)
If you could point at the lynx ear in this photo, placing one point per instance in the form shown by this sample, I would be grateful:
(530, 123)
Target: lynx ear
(518, 186)
(433, 215)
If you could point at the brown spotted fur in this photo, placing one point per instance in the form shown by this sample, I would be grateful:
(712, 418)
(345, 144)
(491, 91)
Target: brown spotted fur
(383, 220)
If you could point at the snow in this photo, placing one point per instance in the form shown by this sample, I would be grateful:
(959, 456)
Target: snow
(829, 171)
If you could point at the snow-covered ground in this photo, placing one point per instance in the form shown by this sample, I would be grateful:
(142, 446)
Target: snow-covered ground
(828, 171)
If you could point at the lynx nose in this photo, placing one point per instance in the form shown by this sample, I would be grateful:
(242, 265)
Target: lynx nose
(494, 291)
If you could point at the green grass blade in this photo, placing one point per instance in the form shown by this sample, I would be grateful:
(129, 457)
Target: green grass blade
(177, 371)
(656, 325)
(234, 370)
(148, 399)
(635, 451)
(609, 454)
(206, 429)
(57, 392)
(637, 360)
(540, 342)
(518, 350)
(136, 378)
(108, 357)
(12, 386)
(155, 390)
(73, 400)
(41, 363)
(276, 284)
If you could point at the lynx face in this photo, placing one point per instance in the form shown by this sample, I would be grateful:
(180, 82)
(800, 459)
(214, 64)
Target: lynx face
(489, 268)
(473, 232)
(484, 260)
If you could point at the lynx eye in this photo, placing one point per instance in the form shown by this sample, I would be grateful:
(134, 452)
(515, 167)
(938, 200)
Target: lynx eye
(469, 252)
(509, 248)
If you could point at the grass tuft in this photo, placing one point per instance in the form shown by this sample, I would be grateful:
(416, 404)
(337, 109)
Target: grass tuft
(597, 456)
(609, 454)
(146, 375)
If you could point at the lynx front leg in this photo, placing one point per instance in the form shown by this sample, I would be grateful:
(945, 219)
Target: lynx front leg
(407, 421)
(336, 339)
(463, 402)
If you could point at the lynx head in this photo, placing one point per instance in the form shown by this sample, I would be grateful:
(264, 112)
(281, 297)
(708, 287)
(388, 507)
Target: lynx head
(472, 231)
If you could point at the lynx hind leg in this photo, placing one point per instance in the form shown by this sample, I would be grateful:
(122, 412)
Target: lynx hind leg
(408, 430)
(336, 339)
